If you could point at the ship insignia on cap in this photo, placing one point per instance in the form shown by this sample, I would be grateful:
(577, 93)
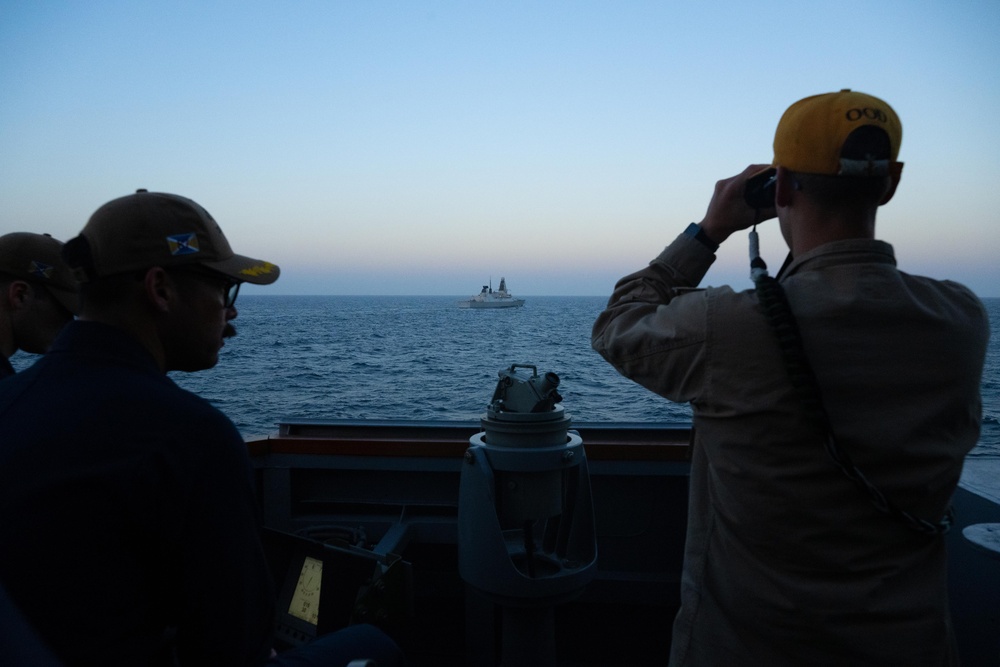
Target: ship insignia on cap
(183, 244)
(41, 270)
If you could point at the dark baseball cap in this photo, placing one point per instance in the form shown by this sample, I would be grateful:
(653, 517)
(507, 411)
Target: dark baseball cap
(149, 229)
(37, 258)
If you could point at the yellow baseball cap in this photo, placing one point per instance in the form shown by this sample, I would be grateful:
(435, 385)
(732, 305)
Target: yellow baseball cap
(811, 134)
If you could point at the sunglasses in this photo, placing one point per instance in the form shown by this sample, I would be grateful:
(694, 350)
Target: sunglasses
(229, 292)
(230, 287)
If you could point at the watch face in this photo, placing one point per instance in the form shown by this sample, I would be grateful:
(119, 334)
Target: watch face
(695, 230)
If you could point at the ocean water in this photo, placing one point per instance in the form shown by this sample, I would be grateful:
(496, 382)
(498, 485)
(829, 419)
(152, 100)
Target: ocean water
(323, 357)
(410, 358)
(424, 358)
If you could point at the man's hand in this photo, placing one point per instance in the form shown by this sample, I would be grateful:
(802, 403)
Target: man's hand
(728, 212)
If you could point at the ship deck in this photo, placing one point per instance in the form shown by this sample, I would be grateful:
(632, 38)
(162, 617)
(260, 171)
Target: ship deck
(397, 483)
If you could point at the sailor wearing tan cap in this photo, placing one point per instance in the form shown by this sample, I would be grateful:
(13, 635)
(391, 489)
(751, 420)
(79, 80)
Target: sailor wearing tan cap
(833, 408)
(38, 294)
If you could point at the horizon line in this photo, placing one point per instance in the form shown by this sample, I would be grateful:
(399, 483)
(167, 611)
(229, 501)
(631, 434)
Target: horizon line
(462, 296)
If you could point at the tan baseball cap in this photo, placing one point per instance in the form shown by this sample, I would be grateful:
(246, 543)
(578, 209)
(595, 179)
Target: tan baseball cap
(37, 258)
(149, 229)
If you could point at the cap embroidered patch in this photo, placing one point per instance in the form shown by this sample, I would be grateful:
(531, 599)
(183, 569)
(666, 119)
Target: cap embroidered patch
(183, 244)
(41, 269)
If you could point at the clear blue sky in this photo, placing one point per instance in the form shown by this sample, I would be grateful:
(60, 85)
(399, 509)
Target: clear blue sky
(373, 147)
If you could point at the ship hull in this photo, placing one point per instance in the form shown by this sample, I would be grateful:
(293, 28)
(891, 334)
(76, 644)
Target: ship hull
(514, 303)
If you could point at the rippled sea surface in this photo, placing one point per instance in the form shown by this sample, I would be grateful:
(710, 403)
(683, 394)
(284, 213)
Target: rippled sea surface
(410, 358)
(323, 357)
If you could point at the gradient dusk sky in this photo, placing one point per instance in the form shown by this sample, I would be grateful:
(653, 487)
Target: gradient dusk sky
(402, 148)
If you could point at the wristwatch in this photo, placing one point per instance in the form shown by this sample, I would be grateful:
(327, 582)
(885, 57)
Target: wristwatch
(695, 231)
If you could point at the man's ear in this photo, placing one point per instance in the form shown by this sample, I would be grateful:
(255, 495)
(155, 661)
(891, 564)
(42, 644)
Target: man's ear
(785, 186)
(159, 289)
(895, 173)
(17, 293)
